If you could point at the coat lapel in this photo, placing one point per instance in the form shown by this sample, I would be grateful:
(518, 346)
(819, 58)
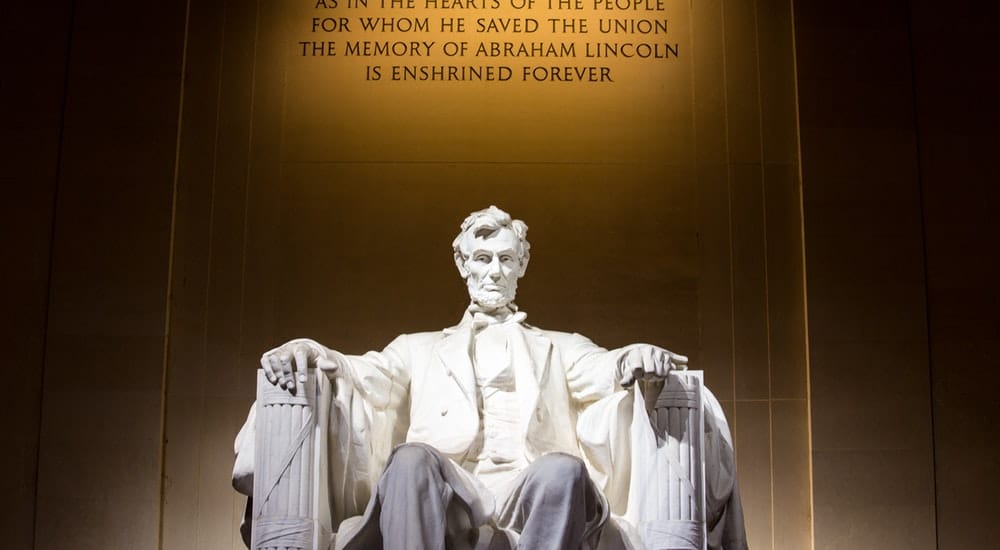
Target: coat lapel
(453, 352)
(530, 355)
(539, 348)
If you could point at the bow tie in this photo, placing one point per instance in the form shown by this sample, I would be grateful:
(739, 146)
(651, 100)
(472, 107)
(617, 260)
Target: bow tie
(505, 316)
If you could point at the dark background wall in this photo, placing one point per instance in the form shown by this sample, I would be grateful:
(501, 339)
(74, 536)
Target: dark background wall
(90, 99)
(896, 126)
(873, 437)
(897, 132)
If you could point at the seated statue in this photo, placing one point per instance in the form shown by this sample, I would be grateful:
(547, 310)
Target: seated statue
(491, 434)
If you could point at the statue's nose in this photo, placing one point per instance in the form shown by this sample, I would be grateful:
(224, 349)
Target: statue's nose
(494, 270)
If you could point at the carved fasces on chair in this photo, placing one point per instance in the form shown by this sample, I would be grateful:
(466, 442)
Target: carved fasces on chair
(678, 523)
(289, 497)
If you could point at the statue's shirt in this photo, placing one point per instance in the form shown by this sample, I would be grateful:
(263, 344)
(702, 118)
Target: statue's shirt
(498, 453)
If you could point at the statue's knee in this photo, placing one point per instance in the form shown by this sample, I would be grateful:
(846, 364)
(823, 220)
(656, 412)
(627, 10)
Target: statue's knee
(412, 460)
(559, 470)
(413, 477)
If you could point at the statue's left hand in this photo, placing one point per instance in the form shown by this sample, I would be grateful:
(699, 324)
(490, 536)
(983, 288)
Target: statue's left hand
(288, 362)
(647, 362)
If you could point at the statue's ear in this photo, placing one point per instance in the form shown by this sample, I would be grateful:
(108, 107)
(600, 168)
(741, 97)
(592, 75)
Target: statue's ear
(524, 265)
(460, 264)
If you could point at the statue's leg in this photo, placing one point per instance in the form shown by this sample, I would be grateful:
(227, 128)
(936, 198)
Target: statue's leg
(414, 498)
(553, 505)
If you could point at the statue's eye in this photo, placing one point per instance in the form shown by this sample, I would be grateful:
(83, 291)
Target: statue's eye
(506, 258)
(482, 258)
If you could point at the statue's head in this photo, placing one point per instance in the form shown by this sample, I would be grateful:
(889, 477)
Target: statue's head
(491, 253)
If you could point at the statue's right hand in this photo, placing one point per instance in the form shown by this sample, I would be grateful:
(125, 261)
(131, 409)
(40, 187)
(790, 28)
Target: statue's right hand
(286, 365)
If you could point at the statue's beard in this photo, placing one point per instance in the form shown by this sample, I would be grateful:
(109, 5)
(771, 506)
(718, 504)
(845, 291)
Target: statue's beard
(493, 299)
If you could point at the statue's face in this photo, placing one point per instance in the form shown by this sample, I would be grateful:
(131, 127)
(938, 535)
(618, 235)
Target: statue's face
(492, 267)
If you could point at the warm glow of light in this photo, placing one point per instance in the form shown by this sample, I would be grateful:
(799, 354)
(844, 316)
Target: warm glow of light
(631, 107)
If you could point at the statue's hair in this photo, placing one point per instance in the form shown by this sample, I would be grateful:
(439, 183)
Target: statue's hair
(489, 220)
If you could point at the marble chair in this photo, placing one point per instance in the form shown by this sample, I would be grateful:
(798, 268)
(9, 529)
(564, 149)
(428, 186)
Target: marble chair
(308, 465)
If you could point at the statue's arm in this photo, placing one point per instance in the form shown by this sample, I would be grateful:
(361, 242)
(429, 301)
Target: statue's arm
(380, 377)
(590, 369)
(594, 372)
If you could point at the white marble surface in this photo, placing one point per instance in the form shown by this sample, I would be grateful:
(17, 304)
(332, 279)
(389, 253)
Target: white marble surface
(643, 448)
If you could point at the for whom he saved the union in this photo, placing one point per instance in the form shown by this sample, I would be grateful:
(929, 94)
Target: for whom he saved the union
(493, 433)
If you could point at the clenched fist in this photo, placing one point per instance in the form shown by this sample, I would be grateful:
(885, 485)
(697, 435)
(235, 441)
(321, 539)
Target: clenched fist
(647, 362)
